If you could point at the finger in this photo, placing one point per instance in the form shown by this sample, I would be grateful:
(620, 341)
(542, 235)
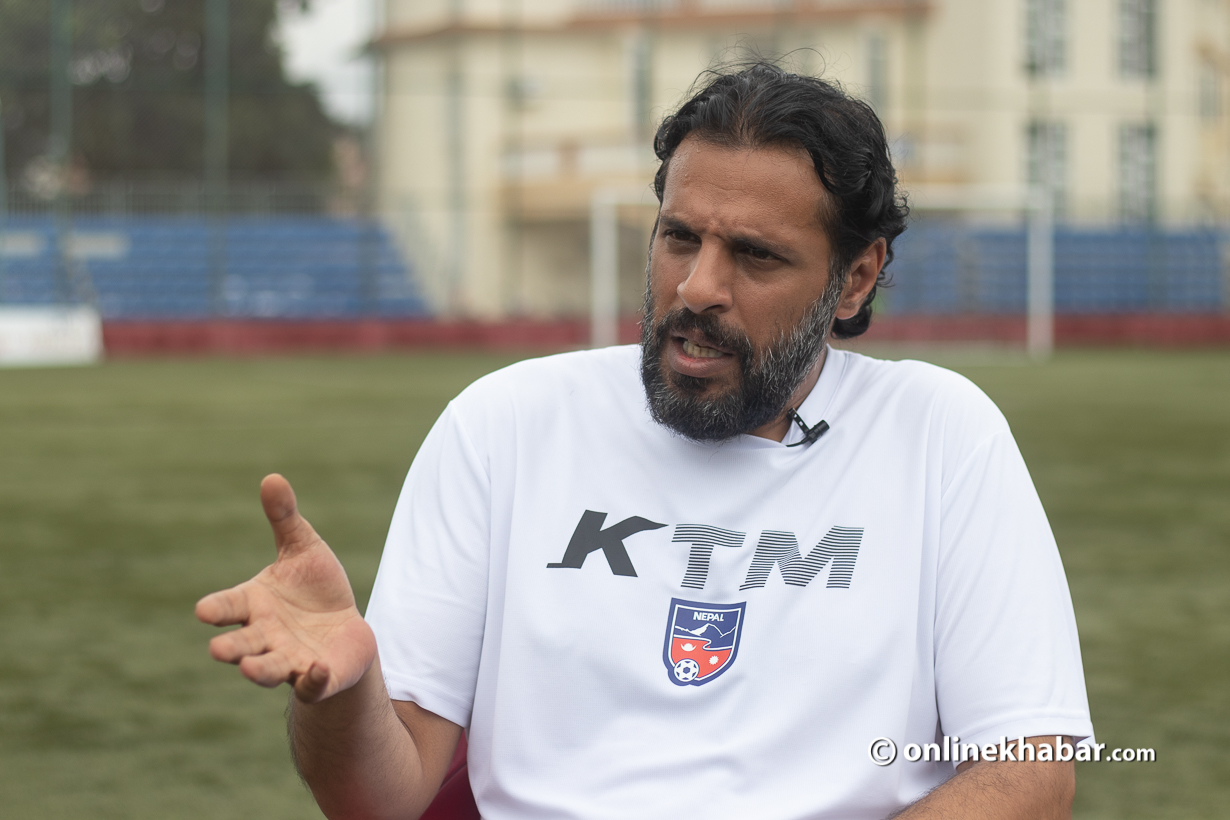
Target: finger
(231, 647)
(311, 685)
(230, 606)
(291, 532)
(268, 670)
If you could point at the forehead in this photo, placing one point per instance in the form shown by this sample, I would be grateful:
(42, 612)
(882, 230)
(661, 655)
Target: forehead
(763, 188)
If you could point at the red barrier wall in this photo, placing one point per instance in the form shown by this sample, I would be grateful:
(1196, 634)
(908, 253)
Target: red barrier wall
(1147, 329)
(258, 336)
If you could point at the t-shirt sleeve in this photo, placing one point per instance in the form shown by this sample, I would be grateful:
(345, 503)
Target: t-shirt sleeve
(428, 604)
(1007, 657)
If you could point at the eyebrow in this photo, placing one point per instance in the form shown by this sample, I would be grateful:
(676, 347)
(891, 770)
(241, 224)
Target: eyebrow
(670, 223)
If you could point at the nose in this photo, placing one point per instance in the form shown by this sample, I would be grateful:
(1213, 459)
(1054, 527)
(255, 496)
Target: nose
(707, 286)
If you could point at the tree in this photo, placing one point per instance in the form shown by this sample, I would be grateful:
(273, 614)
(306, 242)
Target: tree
(138, 78)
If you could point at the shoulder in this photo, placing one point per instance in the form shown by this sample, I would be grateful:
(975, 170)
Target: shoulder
(910, 390)
(585, 378)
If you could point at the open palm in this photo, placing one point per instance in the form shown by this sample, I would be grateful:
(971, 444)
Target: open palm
(300, 622)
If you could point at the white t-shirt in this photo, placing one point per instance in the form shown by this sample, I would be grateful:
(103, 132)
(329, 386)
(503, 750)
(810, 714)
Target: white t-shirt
(631, 624)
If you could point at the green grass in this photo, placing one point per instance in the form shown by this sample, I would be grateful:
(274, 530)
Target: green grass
(129, 490)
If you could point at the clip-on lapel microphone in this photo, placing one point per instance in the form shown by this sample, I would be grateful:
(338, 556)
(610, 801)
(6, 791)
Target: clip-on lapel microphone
(810, 434)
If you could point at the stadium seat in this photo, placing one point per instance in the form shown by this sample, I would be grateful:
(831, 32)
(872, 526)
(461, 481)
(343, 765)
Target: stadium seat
(286, 267)
(321, 266)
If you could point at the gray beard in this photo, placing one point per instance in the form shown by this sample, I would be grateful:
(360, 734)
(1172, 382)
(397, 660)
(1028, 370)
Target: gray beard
(768, 378)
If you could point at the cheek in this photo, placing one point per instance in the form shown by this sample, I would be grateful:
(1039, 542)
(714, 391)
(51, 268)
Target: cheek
(768, 313)
(665, 275)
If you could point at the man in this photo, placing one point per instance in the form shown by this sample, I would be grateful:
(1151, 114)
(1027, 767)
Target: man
(703, 576)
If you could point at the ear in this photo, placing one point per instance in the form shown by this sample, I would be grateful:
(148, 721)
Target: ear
(861, 278)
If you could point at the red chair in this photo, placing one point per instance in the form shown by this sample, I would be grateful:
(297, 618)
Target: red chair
(454, 801)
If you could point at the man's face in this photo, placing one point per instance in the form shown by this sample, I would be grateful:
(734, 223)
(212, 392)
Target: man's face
(740, 297)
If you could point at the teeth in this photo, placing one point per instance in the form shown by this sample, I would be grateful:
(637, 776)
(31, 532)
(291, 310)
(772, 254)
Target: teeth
(699, 352)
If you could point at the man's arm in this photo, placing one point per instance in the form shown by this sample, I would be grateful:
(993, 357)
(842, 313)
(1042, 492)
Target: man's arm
(363, 755)
(1001, 790)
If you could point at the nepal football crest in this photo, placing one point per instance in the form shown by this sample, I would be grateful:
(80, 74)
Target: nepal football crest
(701, 640)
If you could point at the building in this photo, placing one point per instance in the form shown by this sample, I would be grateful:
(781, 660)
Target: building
(500, 119)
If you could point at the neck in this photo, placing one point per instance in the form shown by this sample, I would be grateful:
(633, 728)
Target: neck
(780, 426)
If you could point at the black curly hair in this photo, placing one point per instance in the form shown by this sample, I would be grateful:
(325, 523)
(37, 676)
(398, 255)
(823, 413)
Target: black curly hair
(761, 104)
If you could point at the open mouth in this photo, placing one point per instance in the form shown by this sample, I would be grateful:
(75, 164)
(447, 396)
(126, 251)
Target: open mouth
(700, 351)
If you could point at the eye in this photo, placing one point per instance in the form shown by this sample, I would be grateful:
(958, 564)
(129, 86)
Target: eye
(680, 235)
(759, 254)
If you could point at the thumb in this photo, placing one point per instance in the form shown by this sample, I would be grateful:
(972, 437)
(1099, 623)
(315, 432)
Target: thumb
(310, 687)
(292, 534)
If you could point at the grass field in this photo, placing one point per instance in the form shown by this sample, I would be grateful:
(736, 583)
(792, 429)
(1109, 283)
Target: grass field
(129, 490)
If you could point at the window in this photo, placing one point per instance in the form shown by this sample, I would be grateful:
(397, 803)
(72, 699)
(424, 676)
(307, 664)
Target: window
(1045, 37)
(1138, 172)
(1048, 160)
(877, 73)
(1138, 38)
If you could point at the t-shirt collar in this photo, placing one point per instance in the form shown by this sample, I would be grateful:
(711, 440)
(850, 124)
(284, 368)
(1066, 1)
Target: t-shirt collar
(817, 406)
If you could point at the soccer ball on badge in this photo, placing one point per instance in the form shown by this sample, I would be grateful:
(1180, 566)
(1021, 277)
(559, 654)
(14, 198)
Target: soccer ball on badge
(687, 669)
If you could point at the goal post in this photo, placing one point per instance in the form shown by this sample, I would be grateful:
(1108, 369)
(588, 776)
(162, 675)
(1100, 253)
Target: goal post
(1040, 276)
(604, 205)
(1036, 205)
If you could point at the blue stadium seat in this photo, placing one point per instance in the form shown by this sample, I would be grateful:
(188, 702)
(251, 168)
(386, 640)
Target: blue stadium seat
(318, 266)
(302, 266)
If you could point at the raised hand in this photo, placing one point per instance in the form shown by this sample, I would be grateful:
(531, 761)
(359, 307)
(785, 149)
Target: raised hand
(300, 622)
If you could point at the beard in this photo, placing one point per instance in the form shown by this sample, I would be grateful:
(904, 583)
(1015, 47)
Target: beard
(767, 377)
